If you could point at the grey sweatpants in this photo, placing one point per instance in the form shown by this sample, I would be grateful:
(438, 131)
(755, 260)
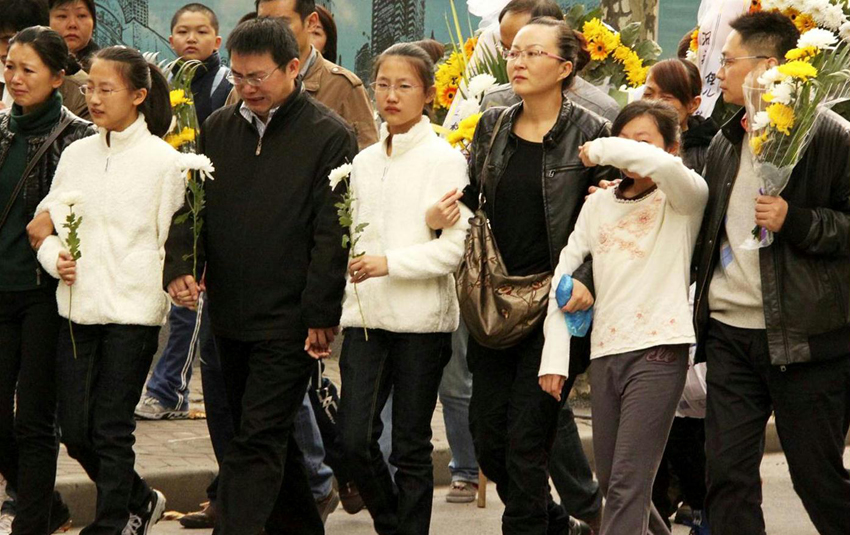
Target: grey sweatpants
(634, 397)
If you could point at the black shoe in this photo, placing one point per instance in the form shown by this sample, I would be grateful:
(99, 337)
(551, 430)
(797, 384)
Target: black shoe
(203, 519)
(351, 500)
(60, 515)
(140, 523)
(577, 527)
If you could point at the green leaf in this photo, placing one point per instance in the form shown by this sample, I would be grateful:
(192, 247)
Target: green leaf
(182, 218)
(648, 51)
(361, 227)
(346, 239)
(630, 34)
(345, 221)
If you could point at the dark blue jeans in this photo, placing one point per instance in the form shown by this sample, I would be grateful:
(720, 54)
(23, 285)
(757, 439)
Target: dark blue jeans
(98, 393)
(169, 383)
(411, 365)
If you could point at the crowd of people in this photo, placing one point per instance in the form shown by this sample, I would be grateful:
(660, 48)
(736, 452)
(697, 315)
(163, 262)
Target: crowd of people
(640, 209)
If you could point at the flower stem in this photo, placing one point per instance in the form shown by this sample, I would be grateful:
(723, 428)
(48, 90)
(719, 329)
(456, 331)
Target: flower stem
(70, 324)
(362, 316)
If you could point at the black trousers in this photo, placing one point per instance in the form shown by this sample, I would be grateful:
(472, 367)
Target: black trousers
(98, 393)
(811, 403)
(262, 479)
(411, 366)
(29, 327)
(684, 459)
(513, 423)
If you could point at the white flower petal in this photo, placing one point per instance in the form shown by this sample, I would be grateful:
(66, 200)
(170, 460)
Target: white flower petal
(817, 37)
(71, 198)
(771, 76)
(479, 84)
(196, 162)
(337, 175)
(760, 120)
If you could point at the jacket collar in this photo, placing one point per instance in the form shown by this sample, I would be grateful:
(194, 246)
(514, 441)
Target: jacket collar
(312, 79)
(210, 65)
(292, 104)
(121, 141)
(554, 135)
(733, 130)
(412, 138)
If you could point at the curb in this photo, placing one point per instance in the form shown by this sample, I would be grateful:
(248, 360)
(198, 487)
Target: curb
(185, 488)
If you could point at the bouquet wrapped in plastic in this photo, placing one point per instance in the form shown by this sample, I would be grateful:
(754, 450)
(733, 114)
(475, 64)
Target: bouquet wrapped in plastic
(783, 104)
(578, 323)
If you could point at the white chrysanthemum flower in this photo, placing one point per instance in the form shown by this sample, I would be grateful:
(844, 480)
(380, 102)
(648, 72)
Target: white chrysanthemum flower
(771, 76)
(817, 37)
(196, 162)
(71, 198)
(467, 108)
(844, 31)
(692, 57)
(783, 93)
(479, 84)
(760, 121)
(815, 8)
(336, 176)
(834, 17)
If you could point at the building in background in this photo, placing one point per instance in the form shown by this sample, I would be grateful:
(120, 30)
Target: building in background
(126, 22)
(396, 21)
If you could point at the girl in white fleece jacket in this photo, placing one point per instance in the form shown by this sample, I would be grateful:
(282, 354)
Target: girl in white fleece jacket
(641, 235)
(406, 287)
(125, 185)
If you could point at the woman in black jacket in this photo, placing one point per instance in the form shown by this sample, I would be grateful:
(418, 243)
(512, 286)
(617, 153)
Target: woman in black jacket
(535, 187)
(29, 322)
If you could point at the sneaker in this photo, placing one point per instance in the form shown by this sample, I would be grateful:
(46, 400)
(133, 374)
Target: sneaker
(351, 500)
(60, 516)
(140, 524)
(699, 525)
(328, 505)
(150, 408)
(203, 519)
(6, 523)
(462, 492)
(595, 522)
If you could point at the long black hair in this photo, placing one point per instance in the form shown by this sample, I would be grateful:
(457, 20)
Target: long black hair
(49, 46)
(139, 74)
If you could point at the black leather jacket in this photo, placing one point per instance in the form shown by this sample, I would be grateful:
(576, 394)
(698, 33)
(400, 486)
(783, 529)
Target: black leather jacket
(565, 178)
(805, 273)
(38, 183)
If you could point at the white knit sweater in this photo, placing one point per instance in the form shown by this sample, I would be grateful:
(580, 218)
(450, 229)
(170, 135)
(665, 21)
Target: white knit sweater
(129, 191)
(641, 257)
(393, 194)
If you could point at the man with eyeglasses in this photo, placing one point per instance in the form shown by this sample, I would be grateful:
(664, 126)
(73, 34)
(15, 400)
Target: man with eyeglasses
(274, 269)
(332, 85)
(773, 323)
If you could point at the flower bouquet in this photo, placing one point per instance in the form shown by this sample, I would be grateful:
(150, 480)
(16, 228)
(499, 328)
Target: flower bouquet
(783, 104)
(808, 14)
(617, 59)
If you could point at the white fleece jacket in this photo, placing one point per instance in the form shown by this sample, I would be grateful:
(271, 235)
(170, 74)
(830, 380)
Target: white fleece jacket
(129, 191)
(641, 257)
(393, 194)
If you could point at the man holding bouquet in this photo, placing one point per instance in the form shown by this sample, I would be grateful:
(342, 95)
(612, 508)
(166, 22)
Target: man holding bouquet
(773, 322)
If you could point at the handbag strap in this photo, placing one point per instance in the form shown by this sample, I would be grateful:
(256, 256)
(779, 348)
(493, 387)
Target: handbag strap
(484, 171)
(63, 124)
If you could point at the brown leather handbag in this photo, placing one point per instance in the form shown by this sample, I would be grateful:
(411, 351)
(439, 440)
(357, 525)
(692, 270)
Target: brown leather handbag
(499, 309)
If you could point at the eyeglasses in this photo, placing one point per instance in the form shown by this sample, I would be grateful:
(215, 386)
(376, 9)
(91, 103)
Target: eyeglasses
(104, 93)
(529, 55)
(253, 81)
(725, 62)
(402, 89)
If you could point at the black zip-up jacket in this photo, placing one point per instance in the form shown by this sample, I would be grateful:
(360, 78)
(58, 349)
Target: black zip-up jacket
(271, 240)
(805, 273)
(38, 182)
(696, 140)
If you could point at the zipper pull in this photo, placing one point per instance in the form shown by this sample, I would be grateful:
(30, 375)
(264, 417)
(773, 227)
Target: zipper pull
(38, 276)
(259, 147)
(107, 164)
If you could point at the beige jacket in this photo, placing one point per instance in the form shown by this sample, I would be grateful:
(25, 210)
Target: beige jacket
(342, 91)
(71, 96)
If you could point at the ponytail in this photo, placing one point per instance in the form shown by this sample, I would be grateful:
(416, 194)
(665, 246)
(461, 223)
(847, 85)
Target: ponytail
(139, 74)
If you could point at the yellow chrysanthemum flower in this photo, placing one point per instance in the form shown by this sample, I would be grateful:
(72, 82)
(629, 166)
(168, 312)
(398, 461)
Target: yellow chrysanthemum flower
(804, 54)
(178, 97)
(594, 29)
(178, 139)
(781, 117)
(623, 53)
(799, 69)
(757, 143)
(695, 41)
